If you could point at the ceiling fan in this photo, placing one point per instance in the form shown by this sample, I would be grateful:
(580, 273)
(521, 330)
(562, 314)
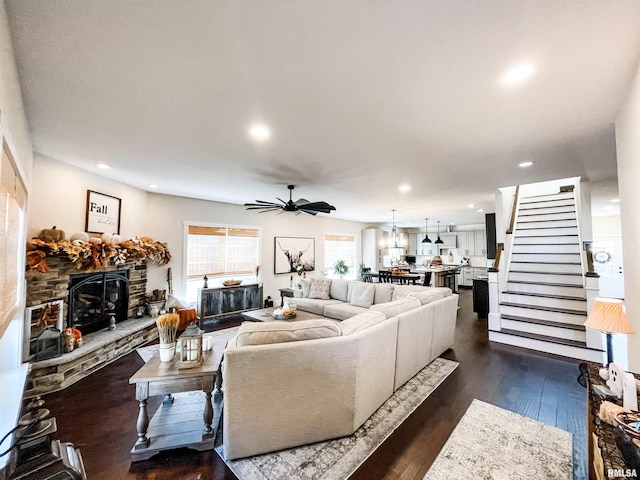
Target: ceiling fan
(302, 205)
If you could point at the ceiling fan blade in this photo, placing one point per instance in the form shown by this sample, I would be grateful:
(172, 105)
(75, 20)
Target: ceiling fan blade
(262, 202)
(275, 207)
(310, 212)
(323, 207)
(301, 201)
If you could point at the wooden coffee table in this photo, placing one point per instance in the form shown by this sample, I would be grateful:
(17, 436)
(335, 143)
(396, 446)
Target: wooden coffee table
(175, 425)
(266, 315)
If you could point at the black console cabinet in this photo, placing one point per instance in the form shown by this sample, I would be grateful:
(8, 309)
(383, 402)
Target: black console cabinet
(481, 297)
(217, 302)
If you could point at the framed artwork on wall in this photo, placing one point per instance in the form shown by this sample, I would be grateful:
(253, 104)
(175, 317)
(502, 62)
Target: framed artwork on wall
(103, 213)
(293, 254)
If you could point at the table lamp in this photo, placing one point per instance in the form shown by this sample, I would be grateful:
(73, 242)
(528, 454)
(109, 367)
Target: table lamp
(608, 316)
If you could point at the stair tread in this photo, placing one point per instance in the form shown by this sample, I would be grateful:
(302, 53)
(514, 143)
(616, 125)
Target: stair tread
(547, 295)
(546, 228)
(546, 263)
(546, 220)
(546, 273)
(546, 338)
(546, 309)
(546, 284)
(547, 323)
(545, 253)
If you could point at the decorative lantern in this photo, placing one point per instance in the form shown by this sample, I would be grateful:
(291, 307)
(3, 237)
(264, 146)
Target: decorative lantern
(191, 347)
(48, 344)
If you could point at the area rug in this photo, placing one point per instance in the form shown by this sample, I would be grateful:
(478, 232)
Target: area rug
(339, 458)
(218, 336)
(490, 443)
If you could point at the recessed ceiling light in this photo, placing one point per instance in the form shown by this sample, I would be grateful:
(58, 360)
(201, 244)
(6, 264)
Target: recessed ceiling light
(404, 188)
(103, 166)
(152, 185)
(471, 205)
(260, 133)
(517, 74)
(615, 200)
(480, 210)
(525, 164)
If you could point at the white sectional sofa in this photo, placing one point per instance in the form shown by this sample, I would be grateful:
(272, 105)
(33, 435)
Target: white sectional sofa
(290, 383)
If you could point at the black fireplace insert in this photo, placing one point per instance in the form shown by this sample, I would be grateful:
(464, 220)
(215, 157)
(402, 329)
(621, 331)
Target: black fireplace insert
(97, 300)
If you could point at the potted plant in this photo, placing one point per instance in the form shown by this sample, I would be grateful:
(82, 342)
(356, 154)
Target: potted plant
(341, 268)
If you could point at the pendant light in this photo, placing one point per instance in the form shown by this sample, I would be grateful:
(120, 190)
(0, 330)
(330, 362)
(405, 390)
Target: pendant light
(426, 238)
(394, 232)
(439, 240)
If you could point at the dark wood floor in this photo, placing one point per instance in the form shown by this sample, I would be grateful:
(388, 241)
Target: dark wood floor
(98, 414)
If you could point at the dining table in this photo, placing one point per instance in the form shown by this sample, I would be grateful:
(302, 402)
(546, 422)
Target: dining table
(396, 277)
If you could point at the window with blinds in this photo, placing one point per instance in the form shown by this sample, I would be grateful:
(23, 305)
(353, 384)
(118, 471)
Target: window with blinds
(12, 203)
(220, 252)
(340, 247)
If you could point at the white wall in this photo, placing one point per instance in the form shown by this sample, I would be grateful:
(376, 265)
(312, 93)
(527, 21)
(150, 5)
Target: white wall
(628, 155)
(60, 198)
(13, 127)
(166, 216)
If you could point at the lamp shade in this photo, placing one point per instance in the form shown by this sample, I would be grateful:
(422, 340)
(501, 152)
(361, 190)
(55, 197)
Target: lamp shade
(608, 316)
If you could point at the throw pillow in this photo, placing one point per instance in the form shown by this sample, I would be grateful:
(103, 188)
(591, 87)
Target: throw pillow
(320, 288)
(306, 286)
(261, 333)
(362, 294)
(383, 292)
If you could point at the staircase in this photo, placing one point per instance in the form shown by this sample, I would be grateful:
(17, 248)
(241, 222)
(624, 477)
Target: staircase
(544, 305)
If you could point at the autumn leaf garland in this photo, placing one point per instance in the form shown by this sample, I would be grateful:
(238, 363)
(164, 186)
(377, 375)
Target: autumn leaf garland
(92, 256)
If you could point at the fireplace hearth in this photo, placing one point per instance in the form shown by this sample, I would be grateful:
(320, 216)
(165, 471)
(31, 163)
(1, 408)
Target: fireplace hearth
(97, 300)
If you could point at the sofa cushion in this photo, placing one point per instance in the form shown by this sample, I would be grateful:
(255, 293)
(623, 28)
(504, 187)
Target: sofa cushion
(428, 296)
(401, 291)
(383, 292)
(260, 333)
(342, 310)
(314, 305)
(361, 321)
(398, 306)
(339, 289)
(362, 294)
(320, 288)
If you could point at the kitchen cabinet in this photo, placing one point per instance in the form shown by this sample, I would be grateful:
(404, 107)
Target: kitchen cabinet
(449, 240)
(427, 249)
(412, 248)
(480, 243)
(472, 244)
(469, 273)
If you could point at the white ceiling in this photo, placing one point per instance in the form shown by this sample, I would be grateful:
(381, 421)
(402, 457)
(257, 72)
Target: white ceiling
(360, 96)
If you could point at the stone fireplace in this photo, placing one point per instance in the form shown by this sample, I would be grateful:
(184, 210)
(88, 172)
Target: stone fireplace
(89, 299)
(97, 300)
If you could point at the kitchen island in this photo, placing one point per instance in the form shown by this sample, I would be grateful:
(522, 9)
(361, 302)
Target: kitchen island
(441, 275)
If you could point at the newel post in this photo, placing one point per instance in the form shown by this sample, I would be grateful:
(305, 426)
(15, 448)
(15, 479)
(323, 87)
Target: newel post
(494, 300)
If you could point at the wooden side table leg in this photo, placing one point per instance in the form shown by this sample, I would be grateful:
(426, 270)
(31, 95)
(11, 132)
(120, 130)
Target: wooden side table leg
(208, 414)
(141, 426)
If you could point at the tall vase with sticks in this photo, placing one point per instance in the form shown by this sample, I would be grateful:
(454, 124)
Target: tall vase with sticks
(167, 333)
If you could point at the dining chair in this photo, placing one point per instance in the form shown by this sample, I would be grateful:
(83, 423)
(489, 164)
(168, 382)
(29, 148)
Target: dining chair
(384, 276)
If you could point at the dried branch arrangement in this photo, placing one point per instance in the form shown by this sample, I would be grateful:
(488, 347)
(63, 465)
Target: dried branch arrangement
(168, 327)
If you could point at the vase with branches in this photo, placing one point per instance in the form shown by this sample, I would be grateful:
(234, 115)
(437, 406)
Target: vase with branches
(167, 333)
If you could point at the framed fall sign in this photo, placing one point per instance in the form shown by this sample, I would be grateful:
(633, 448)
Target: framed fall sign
(103, 213)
